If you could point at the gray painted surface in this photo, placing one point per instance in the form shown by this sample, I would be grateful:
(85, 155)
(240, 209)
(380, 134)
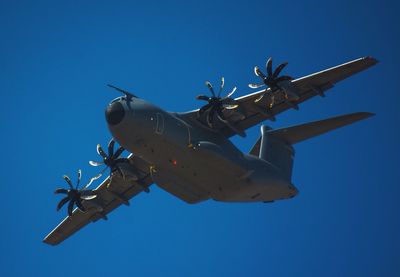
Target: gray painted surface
(187, 158)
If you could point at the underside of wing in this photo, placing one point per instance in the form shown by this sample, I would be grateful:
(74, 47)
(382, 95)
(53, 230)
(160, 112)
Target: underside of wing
(111, 193)
(253, 109)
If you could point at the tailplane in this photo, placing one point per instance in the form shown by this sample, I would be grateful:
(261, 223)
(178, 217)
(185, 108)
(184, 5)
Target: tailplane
(309, 130)
(275, 146)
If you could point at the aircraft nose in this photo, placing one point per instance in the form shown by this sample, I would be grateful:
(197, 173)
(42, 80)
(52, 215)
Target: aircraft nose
(115, 112)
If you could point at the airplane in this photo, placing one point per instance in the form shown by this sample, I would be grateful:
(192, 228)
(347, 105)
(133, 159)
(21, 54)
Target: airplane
(190, 154)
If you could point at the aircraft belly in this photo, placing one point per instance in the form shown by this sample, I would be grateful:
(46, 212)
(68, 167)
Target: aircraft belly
(263, 182)
(259, 193)
(197, 171)
(190, 173)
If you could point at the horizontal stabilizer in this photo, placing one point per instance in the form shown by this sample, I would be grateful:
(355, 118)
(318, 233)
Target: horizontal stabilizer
(298, 133)
(305, 131)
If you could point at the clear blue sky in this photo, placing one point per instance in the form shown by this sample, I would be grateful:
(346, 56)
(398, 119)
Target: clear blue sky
(56, 58)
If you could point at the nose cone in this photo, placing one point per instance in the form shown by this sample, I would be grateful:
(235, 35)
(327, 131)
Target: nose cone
(115, 112)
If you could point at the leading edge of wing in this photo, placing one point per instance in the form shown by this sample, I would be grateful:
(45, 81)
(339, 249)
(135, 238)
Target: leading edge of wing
(308, 86)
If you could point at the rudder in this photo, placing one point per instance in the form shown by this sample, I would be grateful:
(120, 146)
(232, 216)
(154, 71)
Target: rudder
(276, 151)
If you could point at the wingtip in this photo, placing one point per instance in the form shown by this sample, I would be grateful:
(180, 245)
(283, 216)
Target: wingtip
(370, 114)
(371, 59)
(364, 115)
(47, 241)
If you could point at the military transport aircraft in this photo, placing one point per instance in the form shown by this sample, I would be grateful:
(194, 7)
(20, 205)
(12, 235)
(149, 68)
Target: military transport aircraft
(190, 155)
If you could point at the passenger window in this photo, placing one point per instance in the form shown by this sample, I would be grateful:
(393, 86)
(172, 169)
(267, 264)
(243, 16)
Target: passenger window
(160, 124)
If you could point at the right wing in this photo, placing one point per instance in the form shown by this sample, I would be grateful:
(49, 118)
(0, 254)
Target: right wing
(110, 195)
(253, 112)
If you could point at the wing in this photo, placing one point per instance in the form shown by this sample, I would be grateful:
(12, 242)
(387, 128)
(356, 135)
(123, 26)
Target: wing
(110, 195)
(252, 112)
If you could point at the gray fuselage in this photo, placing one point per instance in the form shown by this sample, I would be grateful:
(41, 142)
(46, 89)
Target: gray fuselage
(191, 161)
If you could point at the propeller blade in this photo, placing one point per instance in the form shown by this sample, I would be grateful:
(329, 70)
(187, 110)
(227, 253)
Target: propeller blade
(60, 190)
(258, 72)
(66, 178)
(269, 66)
(79, 178)
(229, 103)
(203, 97)
(88, 195)
(221, 116)
(222, 86)
(204, 108)
(256, 85)
(100, 151)
(283, 78)
(111, 148)
(210, 116)
(62, 203)
(231, 107)
(210, 87)
(93, 163)
(118, 152)
(232, 92)
(279, 69)
(259, 98)
(91, 181)
(70, 207)
(79, 205)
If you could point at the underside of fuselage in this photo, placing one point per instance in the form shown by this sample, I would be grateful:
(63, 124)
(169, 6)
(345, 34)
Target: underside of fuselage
(192, 162)
(190, 155)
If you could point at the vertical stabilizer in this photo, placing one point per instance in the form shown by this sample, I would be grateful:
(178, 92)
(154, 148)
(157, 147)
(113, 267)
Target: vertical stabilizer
(277, 152)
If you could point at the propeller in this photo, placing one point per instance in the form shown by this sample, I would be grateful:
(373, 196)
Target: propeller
(272, 79)
(74, 194)
(216, 103)
(112, 159)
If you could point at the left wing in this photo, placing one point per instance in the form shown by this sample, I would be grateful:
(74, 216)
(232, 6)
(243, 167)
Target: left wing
(252, 113)
(111, 193)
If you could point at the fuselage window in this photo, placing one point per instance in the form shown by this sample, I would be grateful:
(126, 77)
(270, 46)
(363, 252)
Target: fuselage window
(160, 124)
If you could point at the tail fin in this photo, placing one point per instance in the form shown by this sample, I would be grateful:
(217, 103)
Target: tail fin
(277, 152)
